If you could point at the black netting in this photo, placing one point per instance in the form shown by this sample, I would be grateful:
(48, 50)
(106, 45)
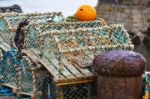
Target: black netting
(81, 91)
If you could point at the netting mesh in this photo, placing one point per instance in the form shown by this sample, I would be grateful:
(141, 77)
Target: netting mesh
(9, 22)
(35, 29)
(31, 79)
(8, 67)
(18, 73)
(91, 37)
(77, 44)
(3, 29)
(3, 26)
(81, 91)
(66, 25)
(74, 42)
(13, 19)
(26, 80)
(40, 77)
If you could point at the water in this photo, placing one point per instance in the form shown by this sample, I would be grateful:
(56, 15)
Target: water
(68, 7)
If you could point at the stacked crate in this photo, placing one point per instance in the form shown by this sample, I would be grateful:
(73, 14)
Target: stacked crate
(67, 54)
(10, 57)
(36, 46)
(57, 56)
(9, 22)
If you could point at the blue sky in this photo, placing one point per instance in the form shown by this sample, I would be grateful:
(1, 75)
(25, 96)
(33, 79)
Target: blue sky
(68, 7)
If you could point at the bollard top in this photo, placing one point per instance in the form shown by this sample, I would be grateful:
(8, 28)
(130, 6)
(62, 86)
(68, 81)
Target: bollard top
(119, 64)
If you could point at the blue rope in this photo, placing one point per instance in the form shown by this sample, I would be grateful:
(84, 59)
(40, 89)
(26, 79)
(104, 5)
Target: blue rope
(6, 92)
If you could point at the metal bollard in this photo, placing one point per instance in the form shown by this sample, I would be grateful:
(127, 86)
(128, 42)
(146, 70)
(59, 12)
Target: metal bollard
(119, 74)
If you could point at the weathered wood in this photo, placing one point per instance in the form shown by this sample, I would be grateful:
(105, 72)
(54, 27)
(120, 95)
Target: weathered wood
(75, 82)
(32, 96)
(63, 70)
(83, 71)
(68, 71)
(6, 97)
(4, 46)
(86, 73)
(119, 88)
(34, 81)
(33, 57)
(91, 56)
(52, 70)
(14, 88)
(71, 67)
(119, 74)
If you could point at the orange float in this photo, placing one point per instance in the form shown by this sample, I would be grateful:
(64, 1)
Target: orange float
(86, 13)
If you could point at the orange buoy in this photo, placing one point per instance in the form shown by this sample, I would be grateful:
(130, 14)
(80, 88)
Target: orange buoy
(86, 13)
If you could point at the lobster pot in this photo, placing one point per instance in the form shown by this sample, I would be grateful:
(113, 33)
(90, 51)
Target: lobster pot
(33, 30)
(76, 91)
(10, 21)
(25, 77)
(31, 79)
(68, 54)
(8, 68)
(82, 43)
(57, 59)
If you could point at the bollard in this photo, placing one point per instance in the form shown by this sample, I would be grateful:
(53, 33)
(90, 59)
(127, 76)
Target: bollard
(119, 74)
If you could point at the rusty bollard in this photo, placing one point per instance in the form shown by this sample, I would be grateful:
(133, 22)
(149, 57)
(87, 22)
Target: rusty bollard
(119, 74)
